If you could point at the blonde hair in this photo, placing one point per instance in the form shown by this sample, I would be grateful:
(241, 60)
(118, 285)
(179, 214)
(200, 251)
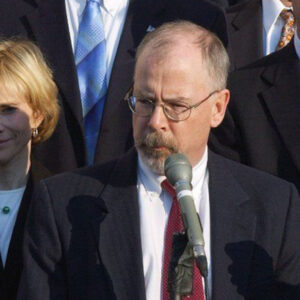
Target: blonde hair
(23, 70)
(214, 54)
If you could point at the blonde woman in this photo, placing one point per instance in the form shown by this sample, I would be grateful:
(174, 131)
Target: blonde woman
(28, 116)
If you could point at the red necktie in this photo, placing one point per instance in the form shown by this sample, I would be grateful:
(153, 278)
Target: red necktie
(175, 225)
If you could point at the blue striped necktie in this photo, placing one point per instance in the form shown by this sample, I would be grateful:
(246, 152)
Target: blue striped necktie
(90, 59)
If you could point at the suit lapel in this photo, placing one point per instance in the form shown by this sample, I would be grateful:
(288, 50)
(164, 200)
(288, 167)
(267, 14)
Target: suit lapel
(245, 27)
(281, 95)
(133, 32)
(115, 109)
(231, 223)
(1, 271)
(13, 265)
(120, 231)
(48, 24)
(14, 255)
(139, 16)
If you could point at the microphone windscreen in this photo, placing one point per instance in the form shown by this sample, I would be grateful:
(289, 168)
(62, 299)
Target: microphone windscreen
(178, 168)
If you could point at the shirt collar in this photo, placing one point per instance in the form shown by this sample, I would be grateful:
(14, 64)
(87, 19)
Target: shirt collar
(111, 6)
(199, 170)
(297, 43)
(152, 181)
(271, 11)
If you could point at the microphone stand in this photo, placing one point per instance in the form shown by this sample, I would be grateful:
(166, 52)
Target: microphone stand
(204, 275)
(181, 265)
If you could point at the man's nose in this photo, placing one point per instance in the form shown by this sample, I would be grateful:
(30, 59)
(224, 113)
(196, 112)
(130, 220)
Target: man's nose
(158, 119)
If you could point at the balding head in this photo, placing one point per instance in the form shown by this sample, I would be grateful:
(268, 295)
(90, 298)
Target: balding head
(178, 93)
(175, 36)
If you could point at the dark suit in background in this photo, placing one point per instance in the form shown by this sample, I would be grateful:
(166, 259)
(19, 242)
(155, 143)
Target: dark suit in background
(262, 124)
(245, 33)
(45, 21)
(226, 3)
(10, 274)
(92, 246)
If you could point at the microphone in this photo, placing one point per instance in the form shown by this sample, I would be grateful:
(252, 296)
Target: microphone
(179, 173)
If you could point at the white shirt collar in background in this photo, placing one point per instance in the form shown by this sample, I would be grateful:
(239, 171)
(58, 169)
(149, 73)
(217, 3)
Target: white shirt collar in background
(272, 24)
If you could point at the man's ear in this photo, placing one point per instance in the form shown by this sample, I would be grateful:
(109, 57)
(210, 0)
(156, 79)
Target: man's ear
(219, 107)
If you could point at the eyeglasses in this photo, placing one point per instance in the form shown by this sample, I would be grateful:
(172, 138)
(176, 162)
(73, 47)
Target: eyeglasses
(173, 111)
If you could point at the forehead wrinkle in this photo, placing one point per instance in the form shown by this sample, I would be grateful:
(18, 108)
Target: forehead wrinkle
(146, 94)
(156, 69)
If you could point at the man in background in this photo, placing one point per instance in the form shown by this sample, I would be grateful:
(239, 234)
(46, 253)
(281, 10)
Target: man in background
(261, 127)
(257, 28)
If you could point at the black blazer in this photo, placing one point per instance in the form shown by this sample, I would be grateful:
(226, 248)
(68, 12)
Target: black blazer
(10, 274)
(83, 235)
(226, 3)
(245, 33)
(262, 124)
(45, 21)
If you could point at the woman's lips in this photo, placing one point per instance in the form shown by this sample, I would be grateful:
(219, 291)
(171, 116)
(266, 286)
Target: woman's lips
(3, 141)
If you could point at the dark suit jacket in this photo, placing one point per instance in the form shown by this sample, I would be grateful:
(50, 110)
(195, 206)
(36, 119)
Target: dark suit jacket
(226, 3)
(245, 33)
(83, 235)
(262, 125)
(45, 21)
(11, 273)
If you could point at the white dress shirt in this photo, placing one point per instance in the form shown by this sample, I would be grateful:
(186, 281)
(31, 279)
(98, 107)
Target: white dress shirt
(113, 14)
(272, 23)
(11, 199)
(154, 206)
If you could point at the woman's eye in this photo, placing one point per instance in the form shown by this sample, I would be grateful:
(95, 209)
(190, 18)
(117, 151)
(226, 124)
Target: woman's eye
(7, 109)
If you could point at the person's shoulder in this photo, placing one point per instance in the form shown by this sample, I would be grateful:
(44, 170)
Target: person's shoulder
(256, 182)
(257, 74)
(92, 179)
(287, 55)
(86, 180)
(243, 6)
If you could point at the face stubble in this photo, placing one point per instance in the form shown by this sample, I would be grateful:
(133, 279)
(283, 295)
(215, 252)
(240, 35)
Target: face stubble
(154, 148)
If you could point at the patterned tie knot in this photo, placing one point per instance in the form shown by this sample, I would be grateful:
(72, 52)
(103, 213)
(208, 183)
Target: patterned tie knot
(287, 15)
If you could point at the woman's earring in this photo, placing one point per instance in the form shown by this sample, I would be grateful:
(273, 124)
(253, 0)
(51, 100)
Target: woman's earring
(35, 132)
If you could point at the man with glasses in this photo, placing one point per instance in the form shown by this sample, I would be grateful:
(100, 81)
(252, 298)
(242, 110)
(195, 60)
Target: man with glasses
(101, 232)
